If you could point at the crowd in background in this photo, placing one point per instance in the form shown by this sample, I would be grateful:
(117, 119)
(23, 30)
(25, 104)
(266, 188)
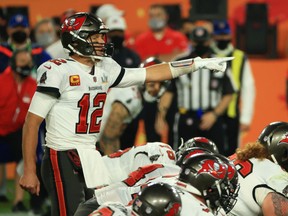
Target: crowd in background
(200, 104)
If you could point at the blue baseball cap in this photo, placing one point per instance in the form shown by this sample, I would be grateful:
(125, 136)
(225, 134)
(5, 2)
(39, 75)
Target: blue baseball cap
(18, 20)
(221, 27)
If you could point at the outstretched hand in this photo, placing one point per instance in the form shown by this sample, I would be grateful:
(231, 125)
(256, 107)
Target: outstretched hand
(217, 64)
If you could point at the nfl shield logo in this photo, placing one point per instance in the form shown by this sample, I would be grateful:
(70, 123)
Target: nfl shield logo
(95, 79)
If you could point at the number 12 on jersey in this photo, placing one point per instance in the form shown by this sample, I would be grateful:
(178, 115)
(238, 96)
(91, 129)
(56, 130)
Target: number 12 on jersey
(83, 126)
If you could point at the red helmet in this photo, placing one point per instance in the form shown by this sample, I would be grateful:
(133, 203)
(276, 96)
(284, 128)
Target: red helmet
(76, 31)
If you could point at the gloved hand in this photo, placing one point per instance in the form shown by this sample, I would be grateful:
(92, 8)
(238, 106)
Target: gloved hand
(217, 64)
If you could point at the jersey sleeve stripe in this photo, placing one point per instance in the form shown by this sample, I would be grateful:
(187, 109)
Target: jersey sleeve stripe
(119, 78)
(49, 90)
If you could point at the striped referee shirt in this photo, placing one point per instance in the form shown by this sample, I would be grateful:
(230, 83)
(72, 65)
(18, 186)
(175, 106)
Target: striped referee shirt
(203, 89)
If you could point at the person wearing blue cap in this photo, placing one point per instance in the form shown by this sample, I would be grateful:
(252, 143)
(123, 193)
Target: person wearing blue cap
(237, 118)
(18, 31)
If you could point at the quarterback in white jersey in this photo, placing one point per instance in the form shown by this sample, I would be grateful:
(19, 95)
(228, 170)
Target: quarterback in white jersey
(263, 184)
(70, 97)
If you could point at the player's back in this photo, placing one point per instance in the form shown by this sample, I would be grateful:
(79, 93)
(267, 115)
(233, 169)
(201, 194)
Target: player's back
(255, 174)
(123, 162)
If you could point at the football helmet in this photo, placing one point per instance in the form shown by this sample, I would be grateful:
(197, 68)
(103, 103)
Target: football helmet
(76, 32)
(163, 85)
(263, 137)
(201, 142)
(189, 152)
(205, 175)
(157, 199)
(276, 144)
(229, 200)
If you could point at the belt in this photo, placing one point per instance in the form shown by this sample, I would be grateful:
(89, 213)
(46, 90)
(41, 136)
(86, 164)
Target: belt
(184, 111)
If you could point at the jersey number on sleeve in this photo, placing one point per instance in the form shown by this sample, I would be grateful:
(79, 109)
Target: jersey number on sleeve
(84, 105)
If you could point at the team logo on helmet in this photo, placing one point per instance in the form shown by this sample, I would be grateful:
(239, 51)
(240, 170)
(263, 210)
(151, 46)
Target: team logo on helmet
(173, 209)
(284, 139)
(73, 23)
(213, 168)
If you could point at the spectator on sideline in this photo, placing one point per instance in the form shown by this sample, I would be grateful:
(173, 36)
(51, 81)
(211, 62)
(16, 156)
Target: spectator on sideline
(18, 31)
(16, 95)
(46, 36)
(160, 41)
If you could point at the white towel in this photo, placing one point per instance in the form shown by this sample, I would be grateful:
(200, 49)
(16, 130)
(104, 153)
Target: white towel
(94, 170)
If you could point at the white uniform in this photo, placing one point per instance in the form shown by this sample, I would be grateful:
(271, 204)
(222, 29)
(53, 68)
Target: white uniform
(74, 120)
(257, 178)
(76, 117)
(124, 190)
(129, 97)
(122, 163)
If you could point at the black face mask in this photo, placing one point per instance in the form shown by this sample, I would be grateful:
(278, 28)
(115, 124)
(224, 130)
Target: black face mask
(117, 41)
(19, 36)
(222, 44)
(24, 71)
(200, 49)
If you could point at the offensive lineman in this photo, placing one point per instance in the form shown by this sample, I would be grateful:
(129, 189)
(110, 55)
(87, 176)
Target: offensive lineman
(70, 96)
(263, 184)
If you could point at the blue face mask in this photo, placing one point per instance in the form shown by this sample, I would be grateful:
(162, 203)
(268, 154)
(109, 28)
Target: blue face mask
(156, 24)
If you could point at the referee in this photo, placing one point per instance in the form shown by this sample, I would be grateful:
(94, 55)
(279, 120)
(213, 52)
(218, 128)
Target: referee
(202, 97)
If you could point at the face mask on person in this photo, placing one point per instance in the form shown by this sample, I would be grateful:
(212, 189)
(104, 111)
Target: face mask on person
(222, 44)
(19, 36)
(45, 39)
(156, 24)
(201, 49)
(24, 71)
(117, 41)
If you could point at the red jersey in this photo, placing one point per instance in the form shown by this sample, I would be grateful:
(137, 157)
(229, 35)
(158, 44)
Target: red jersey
(147, 45)
(14, 101)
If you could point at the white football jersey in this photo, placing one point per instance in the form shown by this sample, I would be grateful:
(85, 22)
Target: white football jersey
(123, 162)
(74, 121)
(129, 97)
(261, 174)
(125, 190)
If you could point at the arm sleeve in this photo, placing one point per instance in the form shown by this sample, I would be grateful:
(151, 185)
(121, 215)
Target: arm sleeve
(133, 76)
(247, 94)
(260, 194)
(41, 104)
(123, 77)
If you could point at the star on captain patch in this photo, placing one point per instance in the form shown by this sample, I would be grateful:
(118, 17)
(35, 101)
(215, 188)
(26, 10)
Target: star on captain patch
(74, 80)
